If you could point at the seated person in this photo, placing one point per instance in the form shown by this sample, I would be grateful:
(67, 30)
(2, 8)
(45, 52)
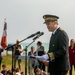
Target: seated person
(4, 70)
(38, 71)
(9, 72)
(34, 62)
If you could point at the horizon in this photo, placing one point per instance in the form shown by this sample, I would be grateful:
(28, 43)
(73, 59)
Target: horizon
(24, 17)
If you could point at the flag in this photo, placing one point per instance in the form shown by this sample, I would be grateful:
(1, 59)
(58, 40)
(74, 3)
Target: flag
(4, 37)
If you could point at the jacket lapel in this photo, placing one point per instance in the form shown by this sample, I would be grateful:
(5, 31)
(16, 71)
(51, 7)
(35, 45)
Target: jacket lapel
(53, 38)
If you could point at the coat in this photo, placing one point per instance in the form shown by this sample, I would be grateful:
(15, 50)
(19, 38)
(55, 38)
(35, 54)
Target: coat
(72, 55)
(59, 46)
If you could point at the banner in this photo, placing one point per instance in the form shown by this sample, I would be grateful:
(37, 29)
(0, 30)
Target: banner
(4, 37)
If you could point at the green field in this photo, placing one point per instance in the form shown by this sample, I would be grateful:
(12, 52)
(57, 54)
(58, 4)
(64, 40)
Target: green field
(8, 61)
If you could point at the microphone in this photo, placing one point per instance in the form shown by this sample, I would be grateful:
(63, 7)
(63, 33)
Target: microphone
(32, 35)
(25, 39)
(38, 35)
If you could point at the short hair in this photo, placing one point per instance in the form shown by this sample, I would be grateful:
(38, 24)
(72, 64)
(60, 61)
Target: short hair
(71, 43)
(32, 46)
(9, 72)
(39, 42)
(17, 40)
(17, 69)
(3, 65)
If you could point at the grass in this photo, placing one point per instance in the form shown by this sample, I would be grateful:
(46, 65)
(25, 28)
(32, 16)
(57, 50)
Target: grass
(8, 61)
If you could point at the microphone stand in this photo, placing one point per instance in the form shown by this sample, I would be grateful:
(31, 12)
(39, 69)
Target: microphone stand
(26, 56)
(25, 52)
(12, 51)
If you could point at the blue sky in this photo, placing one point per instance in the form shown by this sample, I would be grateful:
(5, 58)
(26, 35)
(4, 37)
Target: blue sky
(24, 17)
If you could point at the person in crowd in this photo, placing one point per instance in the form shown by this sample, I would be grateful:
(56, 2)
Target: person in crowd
(9, 72)
(40, 51)
(38, 71)
(18, 48)
(4, 69)
(32, 53)
(58, 55)
(72, 55)
(22, 73)
(14, 71)
(17, 71)
(1, 50)
(1, 74)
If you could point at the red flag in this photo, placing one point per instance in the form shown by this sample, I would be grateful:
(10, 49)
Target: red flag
(4, 37)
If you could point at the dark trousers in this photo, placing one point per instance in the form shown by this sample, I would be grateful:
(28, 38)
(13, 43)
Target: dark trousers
(59, 73)
(0, 62)
(70, 72)
(41, 66)
(15, 60)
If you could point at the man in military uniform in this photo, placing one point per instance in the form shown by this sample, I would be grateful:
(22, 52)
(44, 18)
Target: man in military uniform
(58, 47)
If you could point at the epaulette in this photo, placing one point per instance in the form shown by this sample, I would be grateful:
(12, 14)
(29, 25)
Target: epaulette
(61, 29)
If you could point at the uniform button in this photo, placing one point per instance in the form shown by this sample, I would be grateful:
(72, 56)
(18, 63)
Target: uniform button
(53, 45)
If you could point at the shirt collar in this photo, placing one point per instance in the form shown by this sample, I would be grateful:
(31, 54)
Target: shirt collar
(55, 30)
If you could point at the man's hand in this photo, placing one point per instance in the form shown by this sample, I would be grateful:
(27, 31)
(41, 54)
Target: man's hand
(46, 63)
